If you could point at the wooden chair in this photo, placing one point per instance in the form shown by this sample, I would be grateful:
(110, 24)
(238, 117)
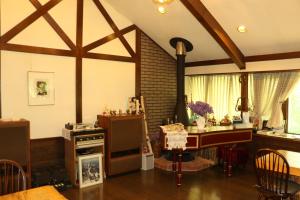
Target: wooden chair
(12, 177)
(272, 173)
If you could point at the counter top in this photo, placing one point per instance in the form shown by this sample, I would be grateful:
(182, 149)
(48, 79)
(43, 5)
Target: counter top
(279, 135)
(194, 129)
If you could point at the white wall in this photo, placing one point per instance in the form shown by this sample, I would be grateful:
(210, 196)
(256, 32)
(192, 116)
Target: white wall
(105, 83)
(45, 121)
(250, 66)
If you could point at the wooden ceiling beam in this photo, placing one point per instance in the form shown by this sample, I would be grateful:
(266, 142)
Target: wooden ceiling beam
(108, 57)
(108, 38)
(255, 58)
(37, 50)
(274, 56)
(209, 62)
(201, 13)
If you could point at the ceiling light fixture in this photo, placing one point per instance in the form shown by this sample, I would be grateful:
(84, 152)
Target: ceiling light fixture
(242, 29)
(161, 5)
(162, 9)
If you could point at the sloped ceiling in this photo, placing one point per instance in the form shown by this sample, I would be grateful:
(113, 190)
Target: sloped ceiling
(272, 26)
(178, 22)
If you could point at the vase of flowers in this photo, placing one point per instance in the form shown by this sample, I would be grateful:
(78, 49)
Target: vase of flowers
(201, 109)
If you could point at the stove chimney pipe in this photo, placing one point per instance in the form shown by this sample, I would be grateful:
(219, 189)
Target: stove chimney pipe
(182, 46)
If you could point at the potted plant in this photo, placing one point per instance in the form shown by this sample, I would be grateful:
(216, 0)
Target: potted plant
(200, 109)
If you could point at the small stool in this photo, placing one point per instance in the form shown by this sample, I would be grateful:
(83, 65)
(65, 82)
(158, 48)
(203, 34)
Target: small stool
(239, 155)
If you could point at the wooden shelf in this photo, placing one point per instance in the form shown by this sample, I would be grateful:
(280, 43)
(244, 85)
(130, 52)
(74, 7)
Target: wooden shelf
(71, 160)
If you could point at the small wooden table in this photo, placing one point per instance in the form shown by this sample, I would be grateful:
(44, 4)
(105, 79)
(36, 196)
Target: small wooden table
(40, 193)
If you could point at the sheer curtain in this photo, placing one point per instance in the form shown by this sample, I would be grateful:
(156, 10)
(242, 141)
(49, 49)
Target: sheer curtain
(286, 84)
(267, 91)
(220, 91)
(261, 92)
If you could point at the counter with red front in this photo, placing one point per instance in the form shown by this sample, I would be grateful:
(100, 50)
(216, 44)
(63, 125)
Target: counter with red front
(225, 136)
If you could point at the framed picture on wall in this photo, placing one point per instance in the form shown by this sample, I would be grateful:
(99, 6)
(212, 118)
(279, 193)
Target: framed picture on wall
(90, 170)
(41, 88)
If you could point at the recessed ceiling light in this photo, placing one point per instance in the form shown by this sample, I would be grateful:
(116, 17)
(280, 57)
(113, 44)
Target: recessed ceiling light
(162, 9)
(163, 1)
(242, 29)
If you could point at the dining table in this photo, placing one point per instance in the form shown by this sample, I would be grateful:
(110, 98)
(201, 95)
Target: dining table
(39, 193)
(293, 158)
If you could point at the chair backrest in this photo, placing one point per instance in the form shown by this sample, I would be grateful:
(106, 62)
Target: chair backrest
(12, 177)
(272, 171)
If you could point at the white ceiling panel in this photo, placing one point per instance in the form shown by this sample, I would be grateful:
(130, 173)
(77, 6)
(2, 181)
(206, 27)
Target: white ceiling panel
(177, 22)
(272, 25)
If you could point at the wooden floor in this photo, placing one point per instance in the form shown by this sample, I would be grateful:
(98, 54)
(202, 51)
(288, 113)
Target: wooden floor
(210, 184)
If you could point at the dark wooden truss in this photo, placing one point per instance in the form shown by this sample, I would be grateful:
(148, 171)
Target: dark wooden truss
(76, 50)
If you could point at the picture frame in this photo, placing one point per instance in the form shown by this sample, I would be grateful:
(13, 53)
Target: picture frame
(41, 88)
(90, 170)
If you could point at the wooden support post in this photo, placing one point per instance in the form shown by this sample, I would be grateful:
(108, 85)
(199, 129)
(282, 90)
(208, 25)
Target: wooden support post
(244, 92)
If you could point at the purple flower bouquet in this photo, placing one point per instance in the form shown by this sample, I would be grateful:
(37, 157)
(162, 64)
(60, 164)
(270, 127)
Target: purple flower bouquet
(200, 108)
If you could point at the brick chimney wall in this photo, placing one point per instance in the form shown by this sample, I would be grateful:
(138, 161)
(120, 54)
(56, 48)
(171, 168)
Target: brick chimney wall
(158, 83)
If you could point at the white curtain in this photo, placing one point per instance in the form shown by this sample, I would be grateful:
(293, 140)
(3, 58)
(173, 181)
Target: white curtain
(267, 91)
(262, 88)
(220, 91)
(286, 84)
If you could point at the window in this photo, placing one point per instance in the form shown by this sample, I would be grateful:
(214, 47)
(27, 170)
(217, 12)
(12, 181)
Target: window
(261, 93)
(294, 111)
(220, 91)
(267, 91)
